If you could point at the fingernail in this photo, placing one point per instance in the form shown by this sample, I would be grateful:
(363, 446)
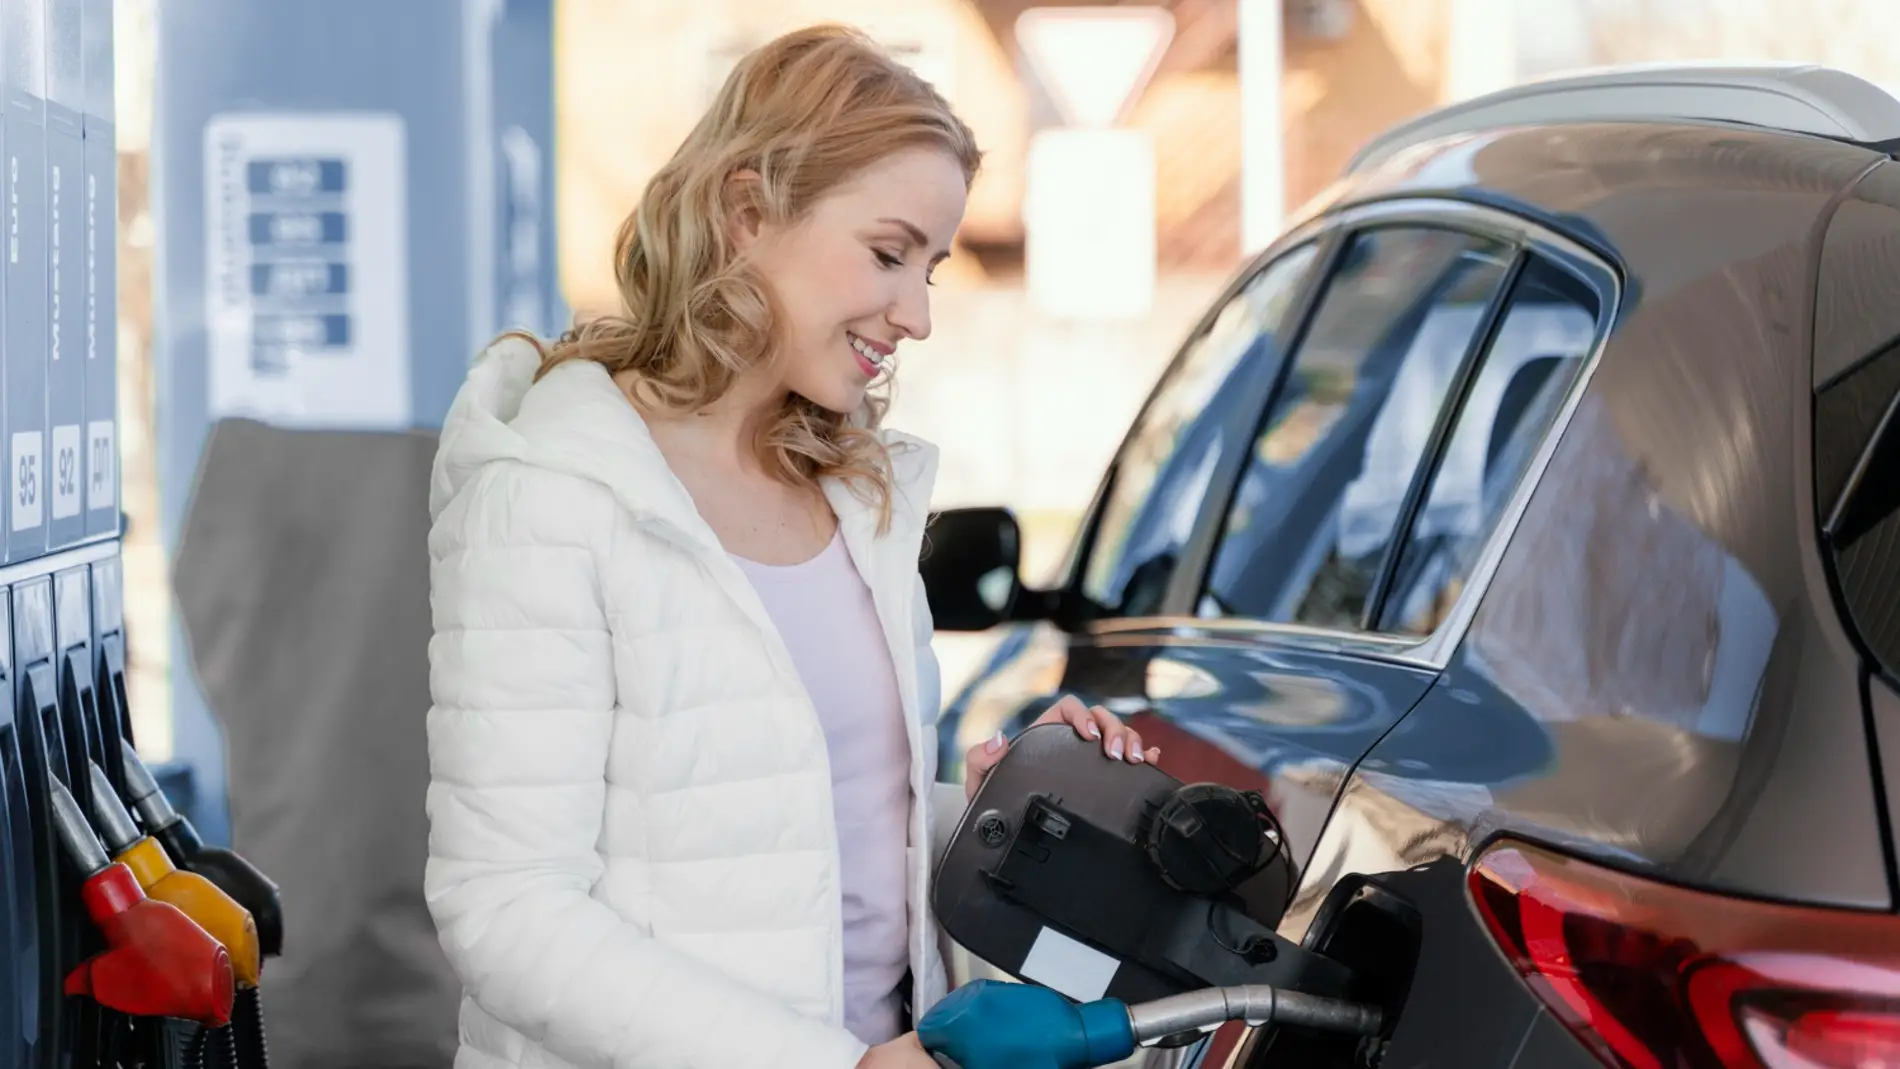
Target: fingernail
(995, 743)
(1095, 730)
(1115, 748)
(1136, 756)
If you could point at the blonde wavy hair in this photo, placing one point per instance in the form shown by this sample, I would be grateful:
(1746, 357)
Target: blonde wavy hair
(805, 113)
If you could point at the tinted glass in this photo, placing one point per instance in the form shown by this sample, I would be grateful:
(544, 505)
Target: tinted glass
(1163, 472)
(1323, 490)
(1533, 360)
(1866, 526)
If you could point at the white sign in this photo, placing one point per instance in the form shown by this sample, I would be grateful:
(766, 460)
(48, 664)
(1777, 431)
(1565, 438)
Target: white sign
(1075, 969)
(1094, 60)
(306, 261)
(100, 480)
(65, 473)
(29, 507)
(1089, 223)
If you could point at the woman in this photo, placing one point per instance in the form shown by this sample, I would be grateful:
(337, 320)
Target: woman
(683, 745)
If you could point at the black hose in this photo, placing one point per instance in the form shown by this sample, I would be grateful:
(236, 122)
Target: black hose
(1326, 1014)
(187, 1047)
(247, 1027)
(220, 1048)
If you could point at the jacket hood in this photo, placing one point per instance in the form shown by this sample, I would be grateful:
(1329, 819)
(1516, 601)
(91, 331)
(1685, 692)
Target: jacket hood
(576, 421)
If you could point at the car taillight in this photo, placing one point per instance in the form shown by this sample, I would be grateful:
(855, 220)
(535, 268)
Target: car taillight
(1653, 976)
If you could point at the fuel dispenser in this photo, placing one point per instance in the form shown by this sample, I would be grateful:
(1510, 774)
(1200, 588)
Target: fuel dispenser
(1140, 910)
(81, 954)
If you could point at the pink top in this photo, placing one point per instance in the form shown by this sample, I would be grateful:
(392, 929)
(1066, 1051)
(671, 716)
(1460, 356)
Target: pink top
(823, 610)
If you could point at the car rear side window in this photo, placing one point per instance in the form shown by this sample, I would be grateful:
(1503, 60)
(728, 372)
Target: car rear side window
(1533, 360)
(1163, 472)
(1313, 518)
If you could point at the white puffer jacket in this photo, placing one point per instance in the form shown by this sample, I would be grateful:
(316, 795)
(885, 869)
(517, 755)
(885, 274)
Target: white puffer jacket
(633, 856)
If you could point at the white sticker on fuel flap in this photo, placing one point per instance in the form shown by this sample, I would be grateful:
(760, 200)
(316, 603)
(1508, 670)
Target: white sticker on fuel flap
(1079, 971)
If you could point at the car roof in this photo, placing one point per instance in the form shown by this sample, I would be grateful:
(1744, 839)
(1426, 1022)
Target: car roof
(1799, 98)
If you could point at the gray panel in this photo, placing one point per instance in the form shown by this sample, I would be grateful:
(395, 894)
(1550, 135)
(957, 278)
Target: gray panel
(320, 690)
(101, 210)
(72, 609)
(108, 597)
(32, 622)
(23, 29)
(66, 349)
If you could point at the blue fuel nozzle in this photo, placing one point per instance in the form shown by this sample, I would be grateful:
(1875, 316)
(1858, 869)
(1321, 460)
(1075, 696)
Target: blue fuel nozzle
(992, 1025)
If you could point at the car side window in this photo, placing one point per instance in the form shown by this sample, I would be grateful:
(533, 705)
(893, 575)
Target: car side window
(1158, 482)
(1534, 358)
(1316, 510)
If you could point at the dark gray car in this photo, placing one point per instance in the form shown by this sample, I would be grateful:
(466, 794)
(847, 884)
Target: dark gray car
(1523, 523)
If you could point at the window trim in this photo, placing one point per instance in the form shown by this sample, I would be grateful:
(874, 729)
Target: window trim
(1431, 652)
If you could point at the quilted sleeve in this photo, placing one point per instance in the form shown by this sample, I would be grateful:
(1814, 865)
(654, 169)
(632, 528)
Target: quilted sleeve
(522, 684)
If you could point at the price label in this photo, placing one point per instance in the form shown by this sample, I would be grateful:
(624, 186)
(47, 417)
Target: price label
(102, 462)
(66, 473)
(29, 504)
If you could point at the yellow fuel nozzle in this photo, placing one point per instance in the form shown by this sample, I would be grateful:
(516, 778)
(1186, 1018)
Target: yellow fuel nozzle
(195, 896)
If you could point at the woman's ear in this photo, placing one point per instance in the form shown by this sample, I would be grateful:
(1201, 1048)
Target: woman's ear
(745, 212)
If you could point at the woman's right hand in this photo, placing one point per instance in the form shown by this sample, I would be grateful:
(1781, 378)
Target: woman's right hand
(904, 1052)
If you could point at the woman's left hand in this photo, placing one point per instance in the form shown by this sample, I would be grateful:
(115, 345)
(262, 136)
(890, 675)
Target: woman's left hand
(1119, 741)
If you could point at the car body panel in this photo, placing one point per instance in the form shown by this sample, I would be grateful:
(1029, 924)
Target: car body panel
(1243, 711)
(1721, 745)
(1857, 299)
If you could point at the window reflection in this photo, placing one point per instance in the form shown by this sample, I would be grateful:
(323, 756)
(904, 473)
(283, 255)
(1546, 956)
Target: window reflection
(1323, 490)
(1162, 475)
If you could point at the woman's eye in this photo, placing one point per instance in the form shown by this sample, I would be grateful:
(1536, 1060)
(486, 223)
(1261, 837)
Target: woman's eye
(887, 260)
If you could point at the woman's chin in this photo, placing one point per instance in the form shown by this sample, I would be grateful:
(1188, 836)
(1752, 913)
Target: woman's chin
(838, 400)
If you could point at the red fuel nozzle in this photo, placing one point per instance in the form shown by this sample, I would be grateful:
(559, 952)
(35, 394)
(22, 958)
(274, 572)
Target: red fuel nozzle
(159, 963)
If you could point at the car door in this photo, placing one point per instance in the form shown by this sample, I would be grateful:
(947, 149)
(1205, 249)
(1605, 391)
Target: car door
(1223, 588)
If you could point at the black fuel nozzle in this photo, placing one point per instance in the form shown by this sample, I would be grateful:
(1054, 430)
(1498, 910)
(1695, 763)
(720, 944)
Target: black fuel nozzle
(227, 870)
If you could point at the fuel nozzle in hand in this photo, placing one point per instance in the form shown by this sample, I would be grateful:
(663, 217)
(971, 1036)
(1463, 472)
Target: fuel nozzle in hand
(231, 873)
(158, 963)
(991, 1025)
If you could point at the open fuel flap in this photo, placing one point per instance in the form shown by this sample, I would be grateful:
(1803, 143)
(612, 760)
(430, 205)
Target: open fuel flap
(1103, 879)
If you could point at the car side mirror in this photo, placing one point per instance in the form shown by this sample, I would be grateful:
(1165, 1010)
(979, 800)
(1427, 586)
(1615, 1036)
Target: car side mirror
(970, 568)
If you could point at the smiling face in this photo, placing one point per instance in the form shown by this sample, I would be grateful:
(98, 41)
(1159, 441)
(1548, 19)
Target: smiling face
(851, 279)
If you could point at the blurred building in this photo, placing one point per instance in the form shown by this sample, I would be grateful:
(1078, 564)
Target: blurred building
(1027, 408)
